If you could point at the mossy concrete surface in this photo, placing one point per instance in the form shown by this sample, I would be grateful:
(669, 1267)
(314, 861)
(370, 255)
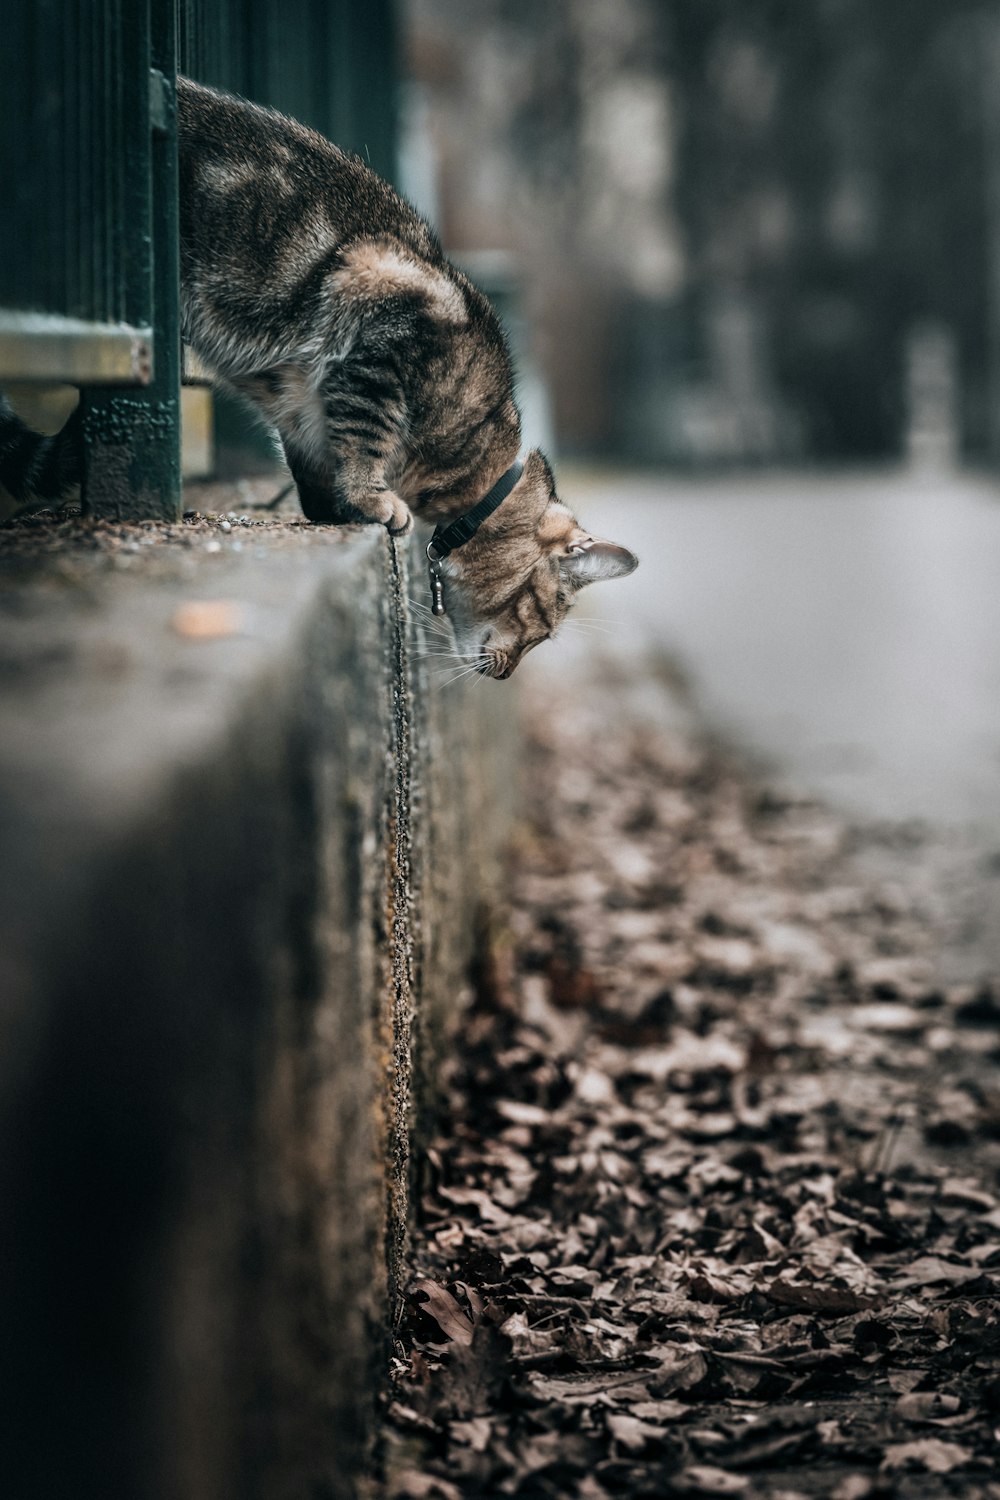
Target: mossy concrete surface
(245, 851)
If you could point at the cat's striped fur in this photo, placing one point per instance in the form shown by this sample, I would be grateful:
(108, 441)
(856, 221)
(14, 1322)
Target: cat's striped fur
(311, 289)
(34, 468)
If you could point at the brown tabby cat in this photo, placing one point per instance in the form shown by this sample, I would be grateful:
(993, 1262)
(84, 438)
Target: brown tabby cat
(310, 288)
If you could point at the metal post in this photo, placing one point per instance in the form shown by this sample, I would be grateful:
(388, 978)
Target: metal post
(166, 386)
(132, 438)
(359, 78)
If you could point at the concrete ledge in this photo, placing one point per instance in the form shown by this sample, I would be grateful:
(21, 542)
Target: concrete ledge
(242, 854)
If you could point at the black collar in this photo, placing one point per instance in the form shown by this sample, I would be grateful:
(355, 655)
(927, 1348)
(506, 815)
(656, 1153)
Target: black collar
(456, 533)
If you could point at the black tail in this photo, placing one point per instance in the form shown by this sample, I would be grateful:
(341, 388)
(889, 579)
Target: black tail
(35, 469)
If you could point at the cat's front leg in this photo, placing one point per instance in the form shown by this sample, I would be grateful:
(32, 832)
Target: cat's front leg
(343, 478)
(374, 505)
(328, 501)
(334, 450)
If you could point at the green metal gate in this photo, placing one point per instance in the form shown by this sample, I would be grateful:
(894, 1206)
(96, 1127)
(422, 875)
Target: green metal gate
(88, 174)
(329, 63)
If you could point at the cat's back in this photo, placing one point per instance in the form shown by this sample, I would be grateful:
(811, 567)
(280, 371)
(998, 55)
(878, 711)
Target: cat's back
(247, 171)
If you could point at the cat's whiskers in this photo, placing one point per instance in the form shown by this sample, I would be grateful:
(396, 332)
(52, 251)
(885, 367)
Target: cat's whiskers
(458, 677)
(443, 660)
(601, 626)
(425, 609)
(437, 628)
(460, 658)
(467, 666)
(465, 660)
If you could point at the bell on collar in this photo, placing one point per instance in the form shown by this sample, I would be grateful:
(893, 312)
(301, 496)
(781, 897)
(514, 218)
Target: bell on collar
(437, 582)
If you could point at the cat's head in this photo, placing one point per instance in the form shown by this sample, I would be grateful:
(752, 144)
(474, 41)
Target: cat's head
(510, 588)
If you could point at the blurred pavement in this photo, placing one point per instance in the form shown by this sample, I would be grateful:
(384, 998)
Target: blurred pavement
(844, 628)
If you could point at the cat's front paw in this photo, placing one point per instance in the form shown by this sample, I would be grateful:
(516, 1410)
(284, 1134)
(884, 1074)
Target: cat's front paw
(399, 521)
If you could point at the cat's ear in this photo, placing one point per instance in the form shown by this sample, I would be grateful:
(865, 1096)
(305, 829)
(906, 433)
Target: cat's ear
(587, 559)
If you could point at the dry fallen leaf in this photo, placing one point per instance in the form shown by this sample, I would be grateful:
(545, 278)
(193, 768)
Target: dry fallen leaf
(411, 1484)
(439, 1304)
(926, 1406)
(925, 1453)
(633, 1434)
(208, 619)
(703, 1479)
(853, 1487)
(814, 1297)
(475, 1432)
(928, 1270)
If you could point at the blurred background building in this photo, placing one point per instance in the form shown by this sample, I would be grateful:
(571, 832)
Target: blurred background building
(748, 230)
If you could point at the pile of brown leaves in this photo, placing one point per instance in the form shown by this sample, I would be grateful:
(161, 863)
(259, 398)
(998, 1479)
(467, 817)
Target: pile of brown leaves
(717, 1208)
